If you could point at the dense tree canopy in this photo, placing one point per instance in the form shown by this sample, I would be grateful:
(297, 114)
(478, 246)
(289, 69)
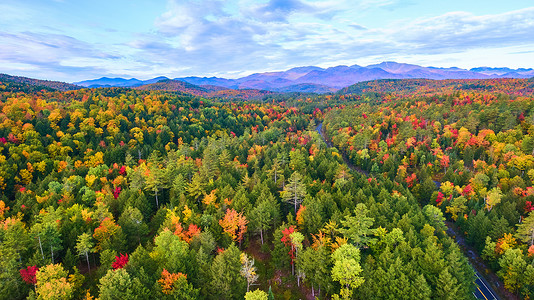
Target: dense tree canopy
(126, 193)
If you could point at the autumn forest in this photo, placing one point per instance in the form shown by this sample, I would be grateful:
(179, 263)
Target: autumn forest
(387, 189)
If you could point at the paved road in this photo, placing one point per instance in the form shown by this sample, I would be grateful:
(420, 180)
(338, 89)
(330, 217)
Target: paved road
(483, 290)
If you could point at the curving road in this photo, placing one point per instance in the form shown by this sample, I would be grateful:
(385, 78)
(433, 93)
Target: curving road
(483, 289)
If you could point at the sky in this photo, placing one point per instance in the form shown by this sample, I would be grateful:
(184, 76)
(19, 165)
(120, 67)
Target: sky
(74, 40)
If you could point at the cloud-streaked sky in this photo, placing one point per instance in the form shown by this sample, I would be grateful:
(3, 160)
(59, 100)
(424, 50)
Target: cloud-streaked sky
(72, 40)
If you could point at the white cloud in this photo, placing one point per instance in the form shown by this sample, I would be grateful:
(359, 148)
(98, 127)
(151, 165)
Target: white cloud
(206, 37)
(51, 54)
(216, 37)
(463, 30)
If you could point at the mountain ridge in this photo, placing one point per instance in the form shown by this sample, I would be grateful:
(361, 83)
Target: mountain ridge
(324, 80)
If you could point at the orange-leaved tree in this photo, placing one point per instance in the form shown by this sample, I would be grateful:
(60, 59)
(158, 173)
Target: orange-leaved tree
(234, 224)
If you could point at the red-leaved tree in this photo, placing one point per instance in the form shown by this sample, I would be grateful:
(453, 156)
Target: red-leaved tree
(120, 261)
(28, 274)
(286, 239)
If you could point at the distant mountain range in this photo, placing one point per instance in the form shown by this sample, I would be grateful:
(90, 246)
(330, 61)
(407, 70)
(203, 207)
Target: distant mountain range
(117, 82)
(321, 80)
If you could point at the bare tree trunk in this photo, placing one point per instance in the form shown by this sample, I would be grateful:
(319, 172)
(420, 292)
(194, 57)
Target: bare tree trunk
(52, 251)
(157, 202)
(87, 257)
(41, 246)
(261, 235)
(295, 200)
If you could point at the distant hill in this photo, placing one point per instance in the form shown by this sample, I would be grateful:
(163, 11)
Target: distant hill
(313, 79)
(307, 88)
(39, 84)
(517, 86)
(173, 85)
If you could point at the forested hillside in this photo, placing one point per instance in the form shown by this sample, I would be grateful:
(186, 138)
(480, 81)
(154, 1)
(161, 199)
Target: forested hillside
(209, 91)
(420, 87)
(116, 193)
(18, 82)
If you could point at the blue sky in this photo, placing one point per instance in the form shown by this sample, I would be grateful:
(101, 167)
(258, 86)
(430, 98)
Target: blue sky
(72, 40)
